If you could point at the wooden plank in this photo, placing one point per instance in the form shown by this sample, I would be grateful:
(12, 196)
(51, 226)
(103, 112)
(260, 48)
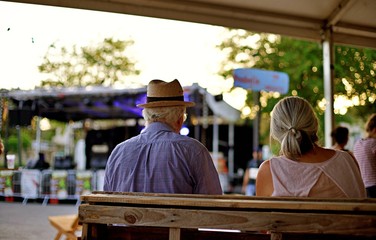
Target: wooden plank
(147, 233)
(289, 222)
(85, 231)
(66, 225)
(226, 196)
(240, 202)
(174, 234)
(155, 233)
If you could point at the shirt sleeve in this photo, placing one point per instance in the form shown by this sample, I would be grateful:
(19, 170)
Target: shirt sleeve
(206, 177)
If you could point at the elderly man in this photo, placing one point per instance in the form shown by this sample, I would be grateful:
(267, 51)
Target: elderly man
(159, 159)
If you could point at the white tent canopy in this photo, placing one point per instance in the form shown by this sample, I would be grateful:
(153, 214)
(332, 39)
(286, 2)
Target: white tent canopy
(351, 22)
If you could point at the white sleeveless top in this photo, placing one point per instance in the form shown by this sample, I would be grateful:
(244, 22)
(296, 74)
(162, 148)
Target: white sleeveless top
(336, 177)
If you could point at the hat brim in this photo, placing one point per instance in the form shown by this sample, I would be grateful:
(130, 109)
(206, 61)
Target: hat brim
(165, 104)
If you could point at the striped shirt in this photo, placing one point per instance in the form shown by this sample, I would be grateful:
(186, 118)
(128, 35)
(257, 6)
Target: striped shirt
(365, 153)
(161, 161)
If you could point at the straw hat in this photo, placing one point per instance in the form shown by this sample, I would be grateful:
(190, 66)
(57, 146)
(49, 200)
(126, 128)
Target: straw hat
(165, 94)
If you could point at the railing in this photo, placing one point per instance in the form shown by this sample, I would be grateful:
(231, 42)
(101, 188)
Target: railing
(49, 185)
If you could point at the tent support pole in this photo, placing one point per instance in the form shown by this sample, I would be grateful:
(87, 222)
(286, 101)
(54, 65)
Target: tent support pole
(328, 65)
(231, 141)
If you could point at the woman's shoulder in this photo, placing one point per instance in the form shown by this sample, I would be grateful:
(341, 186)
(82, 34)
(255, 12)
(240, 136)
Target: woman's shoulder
(340, 157)
(265, 163)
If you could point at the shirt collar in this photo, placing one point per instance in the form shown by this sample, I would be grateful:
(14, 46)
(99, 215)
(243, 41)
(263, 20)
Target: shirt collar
(157, 126)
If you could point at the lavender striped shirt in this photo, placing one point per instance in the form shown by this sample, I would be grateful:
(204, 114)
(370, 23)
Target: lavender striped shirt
(365, 153)
(161, 161)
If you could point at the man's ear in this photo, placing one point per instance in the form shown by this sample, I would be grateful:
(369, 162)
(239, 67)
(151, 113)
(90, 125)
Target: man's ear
(179, 123)
(181, 120)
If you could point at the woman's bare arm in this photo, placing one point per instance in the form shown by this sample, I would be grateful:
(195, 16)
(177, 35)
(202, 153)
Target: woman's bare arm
(264, 181)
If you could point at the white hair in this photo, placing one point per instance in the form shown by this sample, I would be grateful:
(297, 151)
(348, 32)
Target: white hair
(167, 115)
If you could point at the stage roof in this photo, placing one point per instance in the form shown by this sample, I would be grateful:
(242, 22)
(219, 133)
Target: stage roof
(65, 104)
(98, 102)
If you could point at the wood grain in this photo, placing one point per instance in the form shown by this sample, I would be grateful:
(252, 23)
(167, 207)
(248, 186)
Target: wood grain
(235, 220)
(230, 201)
(293, 217)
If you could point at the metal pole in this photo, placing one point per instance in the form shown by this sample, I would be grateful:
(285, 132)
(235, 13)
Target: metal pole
(328, 65)
(2, 103)
(231, 141)
(256, 120)
(205, 115)
(38, 137)
(215, 140)
(19, 145)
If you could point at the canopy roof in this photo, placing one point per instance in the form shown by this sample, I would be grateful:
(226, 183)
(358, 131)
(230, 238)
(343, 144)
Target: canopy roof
(352, 22)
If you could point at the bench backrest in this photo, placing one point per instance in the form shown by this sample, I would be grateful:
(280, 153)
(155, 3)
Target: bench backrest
(236, 214)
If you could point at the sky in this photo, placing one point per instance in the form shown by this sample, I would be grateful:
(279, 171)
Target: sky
(163, 49)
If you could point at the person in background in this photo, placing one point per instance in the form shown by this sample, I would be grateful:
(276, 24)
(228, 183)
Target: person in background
(304, 169)
(249, 178)
(340, 136)
(365, 154)
(1, 146)
(38, 163)
(41, 164)
(159, 159)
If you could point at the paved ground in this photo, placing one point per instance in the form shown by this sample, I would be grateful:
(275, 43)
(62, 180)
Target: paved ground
(29, 221)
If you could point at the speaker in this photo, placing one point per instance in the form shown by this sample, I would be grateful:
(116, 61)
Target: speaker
(20, 117)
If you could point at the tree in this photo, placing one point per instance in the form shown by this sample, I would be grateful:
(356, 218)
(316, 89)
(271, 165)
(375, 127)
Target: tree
(355, 74)
(104, 64)
(355, 69)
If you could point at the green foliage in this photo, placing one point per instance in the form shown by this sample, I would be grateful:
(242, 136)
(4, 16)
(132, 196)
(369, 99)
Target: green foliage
(12, 144)
(104, 64)
(355, 69)
(355, 74)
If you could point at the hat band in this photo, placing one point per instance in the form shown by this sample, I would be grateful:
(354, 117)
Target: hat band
(157, 99)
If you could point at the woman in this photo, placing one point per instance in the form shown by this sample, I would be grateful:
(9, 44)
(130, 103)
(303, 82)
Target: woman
(365, 153)
(303, 168)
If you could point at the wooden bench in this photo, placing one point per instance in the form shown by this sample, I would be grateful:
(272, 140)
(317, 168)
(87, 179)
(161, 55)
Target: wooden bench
(133, 216)
(66, 225)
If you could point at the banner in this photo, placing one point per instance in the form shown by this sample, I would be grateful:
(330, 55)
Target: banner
(30, 181)
(83, 182)
(261, 80)
(59, 184)
(6, 183)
